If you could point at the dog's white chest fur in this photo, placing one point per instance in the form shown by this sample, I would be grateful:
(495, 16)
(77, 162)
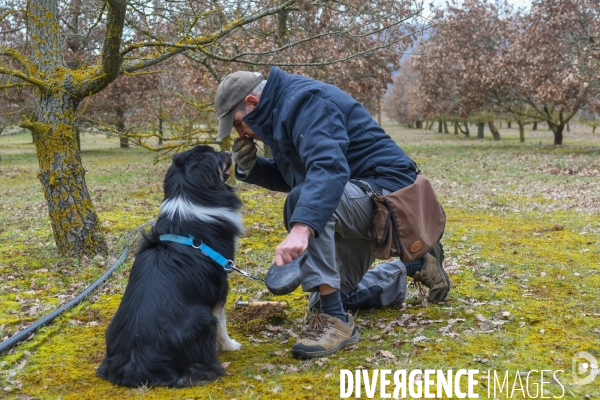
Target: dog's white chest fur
(188, 210)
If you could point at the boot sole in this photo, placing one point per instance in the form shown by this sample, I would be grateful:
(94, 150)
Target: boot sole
(303, 355)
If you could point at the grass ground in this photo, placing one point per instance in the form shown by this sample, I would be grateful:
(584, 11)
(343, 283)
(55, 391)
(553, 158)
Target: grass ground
(522, 245)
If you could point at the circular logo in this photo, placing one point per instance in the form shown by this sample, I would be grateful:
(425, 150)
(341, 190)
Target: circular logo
(416, 246)
(584, 372)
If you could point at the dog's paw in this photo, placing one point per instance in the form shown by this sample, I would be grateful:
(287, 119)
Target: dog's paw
(231, 345)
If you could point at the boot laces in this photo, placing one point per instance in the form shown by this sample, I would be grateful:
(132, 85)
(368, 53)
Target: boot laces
(421, 292)
(317, 325)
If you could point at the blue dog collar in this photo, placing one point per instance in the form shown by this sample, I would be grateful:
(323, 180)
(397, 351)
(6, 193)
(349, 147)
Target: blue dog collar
(206, 250)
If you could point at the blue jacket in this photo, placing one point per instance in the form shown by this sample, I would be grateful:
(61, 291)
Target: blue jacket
(322, 137)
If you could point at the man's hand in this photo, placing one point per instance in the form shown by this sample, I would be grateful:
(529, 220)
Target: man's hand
(293, 245)
(244, 153)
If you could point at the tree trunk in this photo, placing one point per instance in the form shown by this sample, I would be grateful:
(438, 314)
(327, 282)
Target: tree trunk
(160, 130)
(440, 126)
(70, 209)
(558, 134)
(480, 128)
(282, 37)
(123, 139)
(455, 127)
(419, 124)
(72, 214)
(568, 127)
(494, 130)
(466, 132)
(430, 125)
(557, 129)
(446, 127)
(124, 142)
(521, 131)
(509, 124)
(534, 128)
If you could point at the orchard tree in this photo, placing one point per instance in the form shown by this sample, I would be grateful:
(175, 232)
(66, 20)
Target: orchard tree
(525, 64)
(127, 37)
(553, 84)
(402, 101)
(458, 63)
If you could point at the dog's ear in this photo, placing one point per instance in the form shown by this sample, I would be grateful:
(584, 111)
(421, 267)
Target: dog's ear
(177, 159)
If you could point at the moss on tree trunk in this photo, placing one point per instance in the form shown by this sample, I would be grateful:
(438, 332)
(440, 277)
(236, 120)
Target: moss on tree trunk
(494, 130)
(70, 208)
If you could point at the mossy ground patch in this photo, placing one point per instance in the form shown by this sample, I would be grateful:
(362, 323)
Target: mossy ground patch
(522, 245)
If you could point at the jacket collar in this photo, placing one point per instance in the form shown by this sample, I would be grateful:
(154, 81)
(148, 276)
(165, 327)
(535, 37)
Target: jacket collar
(261, 119)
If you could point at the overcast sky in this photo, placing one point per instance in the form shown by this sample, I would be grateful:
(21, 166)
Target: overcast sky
(515, 3)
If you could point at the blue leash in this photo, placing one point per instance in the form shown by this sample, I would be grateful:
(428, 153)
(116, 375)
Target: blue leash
(227, 265)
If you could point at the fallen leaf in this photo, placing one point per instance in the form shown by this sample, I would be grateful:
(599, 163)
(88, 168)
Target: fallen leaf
(420, 339)
(387, 354)
(268, 367)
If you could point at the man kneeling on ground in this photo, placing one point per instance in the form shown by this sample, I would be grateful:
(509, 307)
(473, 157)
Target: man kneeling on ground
(321, 139)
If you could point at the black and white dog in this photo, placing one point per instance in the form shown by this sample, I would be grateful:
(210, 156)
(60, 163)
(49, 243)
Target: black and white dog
(171, 323)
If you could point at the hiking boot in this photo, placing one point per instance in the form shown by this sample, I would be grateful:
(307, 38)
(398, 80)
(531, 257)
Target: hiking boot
(325, 335)
(433, 274)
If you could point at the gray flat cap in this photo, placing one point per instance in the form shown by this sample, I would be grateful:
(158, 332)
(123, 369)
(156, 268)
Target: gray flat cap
(231, 91)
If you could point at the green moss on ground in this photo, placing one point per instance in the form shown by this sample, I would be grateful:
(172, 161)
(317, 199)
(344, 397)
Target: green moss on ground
(522, 245)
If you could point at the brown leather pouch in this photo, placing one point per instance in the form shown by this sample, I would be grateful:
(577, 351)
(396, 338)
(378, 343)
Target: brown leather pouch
(406, 223)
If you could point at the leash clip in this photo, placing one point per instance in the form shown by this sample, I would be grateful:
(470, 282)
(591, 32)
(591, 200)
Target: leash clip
(246, 274)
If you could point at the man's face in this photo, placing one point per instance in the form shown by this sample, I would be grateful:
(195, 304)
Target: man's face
(240, 126)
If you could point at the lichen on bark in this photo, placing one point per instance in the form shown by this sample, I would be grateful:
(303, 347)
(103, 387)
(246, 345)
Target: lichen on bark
(72, 214)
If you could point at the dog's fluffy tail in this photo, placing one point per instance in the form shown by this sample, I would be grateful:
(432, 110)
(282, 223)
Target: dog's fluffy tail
(199, 374)
(102, 370)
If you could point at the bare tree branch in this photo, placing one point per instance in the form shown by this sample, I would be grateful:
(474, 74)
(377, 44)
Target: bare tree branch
(111, 57)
